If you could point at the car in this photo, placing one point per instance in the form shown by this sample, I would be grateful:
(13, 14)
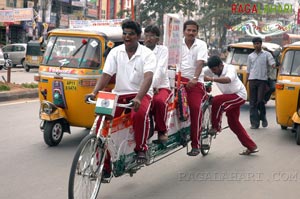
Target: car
(16, 52)
(1, 59)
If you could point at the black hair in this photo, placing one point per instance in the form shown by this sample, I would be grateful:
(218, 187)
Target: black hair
(256, 39)
(153, 29)
(214, 61)
(128, 23)
(190, 22)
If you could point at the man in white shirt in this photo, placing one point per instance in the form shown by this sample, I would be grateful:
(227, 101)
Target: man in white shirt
(134, 66)
(233, 95)
(161, 84)
(194, 54)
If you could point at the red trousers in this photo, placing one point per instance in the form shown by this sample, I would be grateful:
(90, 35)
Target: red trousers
(230, 103)
(195, 97)
(160, 108)
(140, 119)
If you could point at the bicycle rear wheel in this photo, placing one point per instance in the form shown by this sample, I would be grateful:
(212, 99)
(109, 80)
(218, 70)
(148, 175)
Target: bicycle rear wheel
(206, 138)
(86, 171)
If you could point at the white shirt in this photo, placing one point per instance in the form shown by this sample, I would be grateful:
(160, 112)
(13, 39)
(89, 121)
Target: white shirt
(235, 86)
(160, 78)
(258, 64)
(129, 72)
(198, 51)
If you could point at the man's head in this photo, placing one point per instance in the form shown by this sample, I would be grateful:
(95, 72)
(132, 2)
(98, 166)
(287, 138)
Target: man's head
(257, 43)
(190, 30)
(215, 64)
(131, 32)
(152, 34)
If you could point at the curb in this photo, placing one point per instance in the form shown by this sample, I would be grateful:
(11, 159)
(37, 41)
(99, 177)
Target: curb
(15, 95)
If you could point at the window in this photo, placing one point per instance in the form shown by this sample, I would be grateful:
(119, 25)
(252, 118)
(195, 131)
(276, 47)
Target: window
(291, 63)
(11, 3)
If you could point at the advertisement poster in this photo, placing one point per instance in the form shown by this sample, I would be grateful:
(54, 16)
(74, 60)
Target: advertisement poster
(173, 24)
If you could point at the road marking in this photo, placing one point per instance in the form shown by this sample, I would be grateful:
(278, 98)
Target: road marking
(18, 102)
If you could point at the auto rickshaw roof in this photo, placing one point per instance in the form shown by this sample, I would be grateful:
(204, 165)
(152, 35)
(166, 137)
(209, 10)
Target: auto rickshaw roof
(110, 33)
(265, 45)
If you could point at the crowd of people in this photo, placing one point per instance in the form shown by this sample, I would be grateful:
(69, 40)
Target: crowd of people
(141, 77)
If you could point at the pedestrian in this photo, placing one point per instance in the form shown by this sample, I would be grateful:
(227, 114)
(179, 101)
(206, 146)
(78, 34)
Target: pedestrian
(257, 75)
(233, 96)
(161, 84)
(272, 77)
(134, 66)
(194, 54)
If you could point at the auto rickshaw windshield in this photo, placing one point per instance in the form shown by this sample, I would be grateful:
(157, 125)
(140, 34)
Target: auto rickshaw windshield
(291, 63)
(74, 52)
(34, 49)
(238, 56)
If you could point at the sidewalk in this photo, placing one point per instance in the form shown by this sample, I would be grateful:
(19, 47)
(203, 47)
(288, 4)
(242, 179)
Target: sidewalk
(19, 94)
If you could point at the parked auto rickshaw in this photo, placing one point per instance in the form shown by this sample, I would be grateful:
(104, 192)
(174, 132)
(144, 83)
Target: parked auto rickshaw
(288, 90)
(73, 60)
(34, 54)
(238, 55)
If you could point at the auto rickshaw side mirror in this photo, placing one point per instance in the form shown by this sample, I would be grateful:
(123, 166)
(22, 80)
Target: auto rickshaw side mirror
(5, 56)
(276, 53)
(228, 48)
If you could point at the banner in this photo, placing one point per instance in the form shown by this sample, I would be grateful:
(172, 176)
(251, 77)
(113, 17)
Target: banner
(6, 15)
(173, 34)
(86, 23)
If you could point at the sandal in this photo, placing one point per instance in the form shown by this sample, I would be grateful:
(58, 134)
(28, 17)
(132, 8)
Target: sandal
(194, 152)
(249, 152)
(141, 157)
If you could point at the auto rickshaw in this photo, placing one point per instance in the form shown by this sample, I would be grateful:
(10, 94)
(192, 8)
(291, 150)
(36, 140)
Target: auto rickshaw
(34, 54)
(288, 90)
(238, 55)
(73, 61)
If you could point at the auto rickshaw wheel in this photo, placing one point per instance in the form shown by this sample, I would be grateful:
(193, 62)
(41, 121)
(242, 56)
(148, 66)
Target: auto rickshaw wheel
(283, 127)
(53, 132)
(298, 135)
(26, 67)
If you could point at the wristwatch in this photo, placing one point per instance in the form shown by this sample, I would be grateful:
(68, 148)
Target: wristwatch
(195, 77)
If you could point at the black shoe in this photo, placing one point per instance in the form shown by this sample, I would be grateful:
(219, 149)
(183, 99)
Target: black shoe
(264, 123)
(254, 127)
(106, 176)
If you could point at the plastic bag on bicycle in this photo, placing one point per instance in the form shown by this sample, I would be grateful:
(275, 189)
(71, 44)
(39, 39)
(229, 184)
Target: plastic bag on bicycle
(183, 104)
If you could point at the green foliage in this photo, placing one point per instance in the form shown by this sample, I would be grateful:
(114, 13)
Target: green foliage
(4, 87)
(29, 85)
(155, 9)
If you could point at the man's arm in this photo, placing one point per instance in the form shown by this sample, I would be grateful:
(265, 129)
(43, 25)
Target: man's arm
(101, 83)
(199, 65)
(143, 90)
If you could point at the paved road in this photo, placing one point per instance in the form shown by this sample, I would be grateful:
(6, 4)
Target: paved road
(30, 169)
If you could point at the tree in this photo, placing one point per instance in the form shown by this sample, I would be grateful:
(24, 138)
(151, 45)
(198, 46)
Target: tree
(155, 9)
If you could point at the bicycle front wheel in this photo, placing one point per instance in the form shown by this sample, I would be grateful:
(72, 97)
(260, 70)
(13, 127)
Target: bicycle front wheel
(206, 138)
(86, 171)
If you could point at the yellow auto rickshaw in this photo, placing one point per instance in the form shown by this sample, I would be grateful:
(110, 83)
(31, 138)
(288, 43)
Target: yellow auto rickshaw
(238, 55)
(73, 61)
(288, 90)
(34, 54)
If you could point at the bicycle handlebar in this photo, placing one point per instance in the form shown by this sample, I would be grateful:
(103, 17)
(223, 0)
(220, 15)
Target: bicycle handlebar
(128, 105)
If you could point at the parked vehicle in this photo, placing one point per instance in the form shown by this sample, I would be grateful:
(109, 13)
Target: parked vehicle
(34, 55)
(16, 53)
(238, 55)
(287, 103)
